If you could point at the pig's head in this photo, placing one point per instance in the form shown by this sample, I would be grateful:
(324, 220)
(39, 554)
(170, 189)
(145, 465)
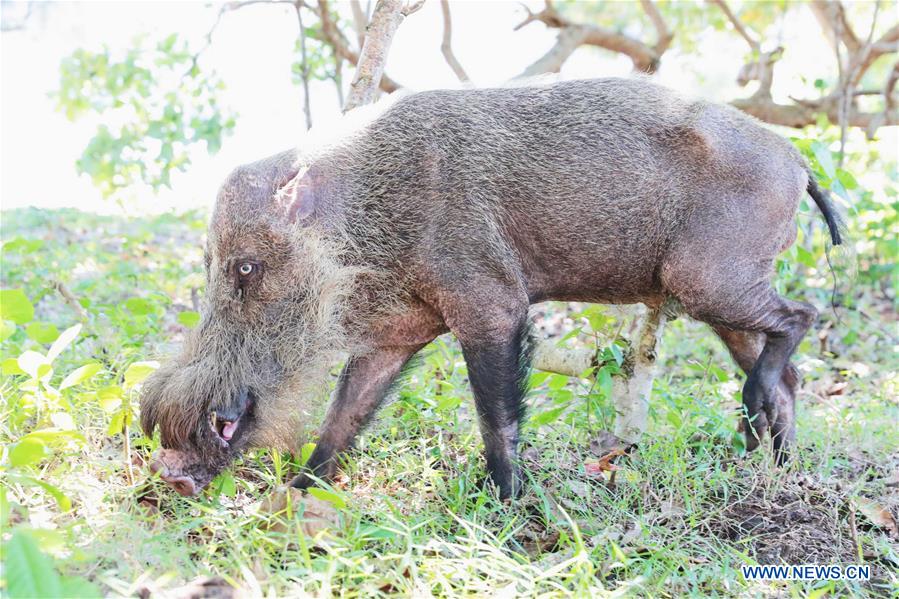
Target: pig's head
(254, 372)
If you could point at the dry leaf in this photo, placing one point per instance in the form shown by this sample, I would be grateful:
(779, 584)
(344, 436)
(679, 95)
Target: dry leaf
(837, 388)
(283, 505)
(877, 514)
(604, 464)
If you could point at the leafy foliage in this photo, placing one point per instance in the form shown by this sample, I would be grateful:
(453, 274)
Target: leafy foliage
(321, 62)
(30, 574)
(155, 103)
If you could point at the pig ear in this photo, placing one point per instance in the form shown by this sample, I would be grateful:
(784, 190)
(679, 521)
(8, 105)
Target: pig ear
(299, 198)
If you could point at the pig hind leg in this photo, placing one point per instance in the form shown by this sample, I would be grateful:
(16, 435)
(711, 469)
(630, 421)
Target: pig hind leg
(724, 294)
(745, 347)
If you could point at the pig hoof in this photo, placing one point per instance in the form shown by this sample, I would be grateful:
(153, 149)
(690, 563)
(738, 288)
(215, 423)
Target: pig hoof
(302, 481)
(505, 492)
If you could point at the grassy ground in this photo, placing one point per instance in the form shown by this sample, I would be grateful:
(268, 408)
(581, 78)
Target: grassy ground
(409, 515)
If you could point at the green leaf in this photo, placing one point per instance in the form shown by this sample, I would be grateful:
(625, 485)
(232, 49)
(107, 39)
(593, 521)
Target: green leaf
(547, 416)
(616, 353)
(604, 381)
(55, 436)
(138, 306)
(42, 332)
(79, 588)
(7, 329)
(306, 452)
(64, 503)
(538, 377)
(63, 341)
(81, 374)
(847, 179)
(117, 424)
(110, 398)
(29, 450)
(10, 366)
(29, 573)
(557, 381)
(189, 318)
(137, 372)
(805, 257)
(825, 159)
(325, 495)
(21, 245)
(15, 306)
(449, 403)
(225, 484)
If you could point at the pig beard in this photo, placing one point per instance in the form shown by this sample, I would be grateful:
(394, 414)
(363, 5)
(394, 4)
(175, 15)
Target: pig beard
(314, 335)
(286, 360)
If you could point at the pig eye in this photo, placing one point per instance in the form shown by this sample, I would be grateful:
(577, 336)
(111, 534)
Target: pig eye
(246, 273)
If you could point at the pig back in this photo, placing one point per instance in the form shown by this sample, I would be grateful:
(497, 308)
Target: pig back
(579, 184)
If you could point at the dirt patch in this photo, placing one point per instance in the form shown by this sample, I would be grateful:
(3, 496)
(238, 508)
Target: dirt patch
(801, 523)
(804, 518)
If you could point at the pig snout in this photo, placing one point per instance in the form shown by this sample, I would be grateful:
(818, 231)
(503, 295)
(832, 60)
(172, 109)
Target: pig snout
(164, 464)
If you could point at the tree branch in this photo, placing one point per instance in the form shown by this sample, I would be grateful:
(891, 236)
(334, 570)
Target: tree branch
(832, 16)
(446, 46)
(738, 25)
(573, 35)
(228, 7)
(663, 33)
(360, 21)
(862, 60)
(760, 69)
(385, 20)
(333, 36)
(307, 108)
(806, 113)
(6, 25)
(888, 99)
(412, 7)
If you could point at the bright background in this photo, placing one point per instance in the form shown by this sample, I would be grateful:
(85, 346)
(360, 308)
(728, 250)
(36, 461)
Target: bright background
(252, 50)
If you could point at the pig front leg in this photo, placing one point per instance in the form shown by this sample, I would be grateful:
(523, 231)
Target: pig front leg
(496, 345)
(362, 385)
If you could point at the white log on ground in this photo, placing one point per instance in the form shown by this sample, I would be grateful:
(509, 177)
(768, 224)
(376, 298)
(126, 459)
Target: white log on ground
(631, 394)
(571, 362)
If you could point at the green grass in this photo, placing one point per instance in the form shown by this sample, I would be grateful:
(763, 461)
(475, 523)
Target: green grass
(682, 515)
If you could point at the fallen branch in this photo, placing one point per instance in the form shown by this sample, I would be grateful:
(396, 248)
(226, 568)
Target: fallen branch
(631, 390)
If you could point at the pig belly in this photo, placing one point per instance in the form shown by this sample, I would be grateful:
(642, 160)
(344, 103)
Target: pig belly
(586, 260)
